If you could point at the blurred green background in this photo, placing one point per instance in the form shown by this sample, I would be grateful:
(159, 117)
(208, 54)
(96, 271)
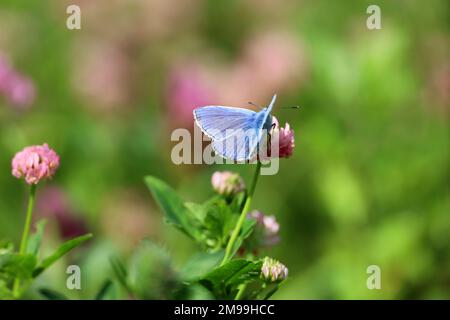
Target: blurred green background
(368, 183)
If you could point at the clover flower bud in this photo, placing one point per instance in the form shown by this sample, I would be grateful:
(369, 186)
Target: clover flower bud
(227, 183)
(273, 270)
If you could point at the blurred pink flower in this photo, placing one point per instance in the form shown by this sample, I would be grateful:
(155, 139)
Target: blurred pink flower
(227, 183)
(5, 72)
(53, 203)
(270, 62)
(18, 89)
(35, 163)
(22, 92)
(277, 59)
(269, 227)
(156, 19)
(102, 75)
(187, 89)
(439, 89)
(115, 66)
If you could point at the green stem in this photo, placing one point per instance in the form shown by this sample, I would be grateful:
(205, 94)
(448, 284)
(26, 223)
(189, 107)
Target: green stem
(240, 292)
(26, 231)
(237, 229)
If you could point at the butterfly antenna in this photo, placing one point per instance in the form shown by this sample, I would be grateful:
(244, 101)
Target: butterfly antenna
(254, 104)
(294, 107)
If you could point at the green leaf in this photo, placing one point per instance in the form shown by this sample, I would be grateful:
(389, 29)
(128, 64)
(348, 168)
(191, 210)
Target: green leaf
(219, 223)
(17, 265)
(34, 243)
(200, 264)
(197, 210)
(223, 281)
(216, 220)
(106, 292)
(62, 250)
(259, 290)
(219, 276)
(249, 272)
(238, 202)
(175, 211)
(120, 272)
(51, 294)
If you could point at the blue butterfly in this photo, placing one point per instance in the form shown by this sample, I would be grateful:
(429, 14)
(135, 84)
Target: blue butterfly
(235, 133)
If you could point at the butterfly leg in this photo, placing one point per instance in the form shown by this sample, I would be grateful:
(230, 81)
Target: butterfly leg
(272, 126)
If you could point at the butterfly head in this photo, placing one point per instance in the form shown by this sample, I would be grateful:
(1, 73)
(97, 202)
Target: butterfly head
(268, 122)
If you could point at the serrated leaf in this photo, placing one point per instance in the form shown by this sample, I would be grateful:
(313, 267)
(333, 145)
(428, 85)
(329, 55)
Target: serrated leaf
(175, 212)
(197, 210)
(224, 280)
(219, 223)
(51, 294)
(16, 265)
(34, 243)
(249, 272)
(60, 252)
(200, 264)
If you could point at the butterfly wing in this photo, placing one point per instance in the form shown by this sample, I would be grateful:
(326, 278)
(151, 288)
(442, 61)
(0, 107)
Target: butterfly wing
(240, 146)
(218, 121)
(235, 132)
